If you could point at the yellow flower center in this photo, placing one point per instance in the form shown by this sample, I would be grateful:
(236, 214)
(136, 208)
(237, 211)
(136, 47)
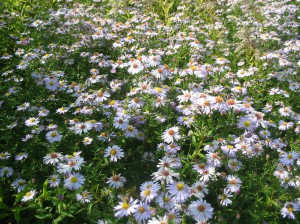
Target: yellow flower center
(125, 205)
(147, 192)
(180, 186)
(73, 179)
(247, 123)
(113, 152)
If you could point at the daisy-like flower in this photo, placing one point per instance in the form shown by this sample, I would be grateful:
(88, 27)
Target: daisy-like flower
(149, 191)
(29, 195)
(115, 153)
(159, 220)
(125, 208)
(283, 125)
(74, 163)
(199, 189)
(121, 123)
(289, 209)
(135, 67)
(233, 183)
(53, 136)
(179, 191)
(248, 123)
(87, 141)
(62, 110)
(84, 197)
(171, 134)
(74, 181)
(234, 164)
(200, 210)
(54, 180)
(165, 201)
(32, 121)
(142, 213)
(53, 158)
(43, 112)
(288, 158)
(82, 128)
(6, 172)
(281, 173)
(116, 181)
(165, 175)
(19, 184)
(225, 201)
(21, 156)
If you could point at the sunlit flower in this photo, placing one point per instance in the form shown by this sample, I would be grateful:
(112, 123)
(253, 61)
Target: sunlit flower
(179, 191)
(32, 121)
(171, 135)
(200, 210)
(116, 181)
(115, 153)
(233, 183)
(53, 136)
(29, 195)
(125, 208)
(74, 181)
(53, 158)
(142, 213)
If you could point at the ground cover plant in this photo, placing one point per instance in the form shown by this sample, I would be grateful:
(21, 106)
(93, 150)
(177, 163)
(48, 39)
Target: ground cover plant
(160, 111)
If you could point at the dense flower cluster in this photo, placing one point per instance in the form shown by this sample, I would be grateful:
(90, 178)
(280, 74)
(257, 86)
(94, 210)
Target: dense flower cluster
(155, 119)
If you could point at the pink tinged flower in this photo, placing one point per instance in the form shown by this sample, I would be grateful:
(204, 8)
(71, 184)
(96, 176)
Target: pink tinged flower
(165, 175)
(281, 173)
(125, 208)
(233, 183)
(199, 189)
(116, 181)
(53, 158)
(74, 181)
(179, 191)
(115, 153)
(171, 135)
(200, 210)
(135, 67)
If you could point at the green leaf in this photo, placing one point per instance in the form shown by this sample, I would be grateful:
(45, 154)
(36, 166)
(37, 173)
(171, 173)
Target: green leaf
(3, 206)
(59, 219)
(16, 211)
(45, 186)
